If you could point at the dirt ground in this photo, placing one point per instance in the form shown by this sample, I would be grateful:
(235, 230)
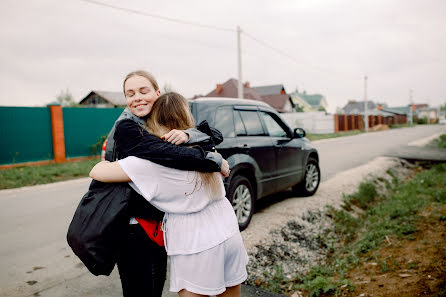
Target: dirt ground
(403, 268)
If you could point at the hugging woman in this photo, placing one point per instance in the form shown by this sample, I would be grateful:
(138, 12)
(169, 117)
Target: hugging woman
(142, 262)
(202, 238)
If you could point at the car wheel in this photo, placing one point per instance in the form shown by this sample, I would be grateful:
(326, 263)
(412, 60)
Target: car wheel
(241, 196)
(311, 180)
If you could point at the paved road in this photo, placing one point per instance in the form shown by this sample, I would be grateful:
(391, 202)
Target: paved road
(34, 256)
(340, 154)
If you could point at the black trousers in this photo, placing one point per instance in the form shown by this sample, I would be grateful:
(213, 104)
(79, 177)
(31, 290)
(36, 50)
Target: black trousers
(142, 265)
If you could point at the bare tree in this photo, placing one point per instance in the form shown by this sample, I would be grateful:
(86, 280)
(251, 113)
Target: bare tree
(168, 88)
(65, 98)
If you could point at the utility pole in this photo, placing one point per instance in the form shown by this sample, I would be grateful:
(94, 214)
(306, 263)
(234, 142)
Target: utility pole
(239, 54)
(410, 107)
(366, 117)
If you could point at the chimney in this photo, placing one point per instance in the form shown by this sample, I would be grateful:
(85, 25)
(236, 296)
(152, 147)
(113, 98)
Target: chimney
(380, 107)
(219, 88)
(247, 84)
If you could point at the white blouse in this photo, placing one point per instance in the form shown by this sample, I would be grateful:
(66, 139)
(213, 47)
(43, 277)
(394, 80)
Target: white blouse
(192, 223)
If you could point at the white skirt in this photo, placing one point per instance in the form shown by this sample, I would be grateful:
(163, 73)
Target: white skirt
(211, 271)
(192, 233)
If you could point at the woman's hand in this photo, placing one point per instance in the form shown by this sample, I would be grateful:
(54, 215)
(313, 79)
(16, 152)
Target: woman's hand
(176, 137)
(225, 168)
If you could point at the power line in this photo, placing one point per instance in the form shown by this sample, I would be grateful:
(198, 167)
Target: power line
(269, 46)
(184, 22)
(160, 16)
(285, 54)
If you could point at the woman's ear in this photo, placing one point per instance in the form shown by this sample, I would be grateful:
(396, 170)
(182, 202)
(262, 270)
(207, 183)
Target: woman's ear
(158, 93)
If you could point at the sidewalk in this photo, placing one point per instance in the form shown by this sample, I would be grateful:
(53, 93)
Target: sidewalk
(416, 153)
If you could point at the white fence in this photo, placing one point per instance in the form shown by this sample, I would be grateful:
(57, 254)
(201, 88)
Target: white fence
(312, 122)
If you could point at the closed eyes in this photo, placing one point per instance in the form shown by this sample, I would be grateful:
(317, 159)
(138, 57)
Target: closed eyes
(143, 90)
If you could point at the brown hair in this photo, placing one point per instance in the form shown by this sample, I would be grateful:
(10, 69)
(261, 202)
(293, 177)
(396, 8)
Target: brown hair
(142, 73)
(171, 111)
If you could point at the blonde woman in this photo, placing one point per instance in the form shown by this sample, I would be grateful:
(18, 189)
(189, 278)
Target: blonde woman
(201, 231)
(142, 261)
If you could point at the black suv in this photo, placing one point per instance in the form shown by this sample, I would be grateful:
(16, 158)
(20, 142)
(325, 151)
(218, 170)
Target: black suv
(264, 154)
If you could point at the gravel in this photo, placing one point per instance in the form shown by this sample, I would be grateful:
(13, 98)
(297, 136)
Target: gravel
(287, 234)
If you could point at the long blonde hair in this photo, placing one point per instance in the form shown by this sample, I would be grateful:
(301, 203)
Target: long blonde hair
(171, 111)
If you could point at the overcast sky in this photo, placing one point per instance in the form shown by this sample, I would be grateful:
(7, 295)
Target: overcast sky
(52, 45)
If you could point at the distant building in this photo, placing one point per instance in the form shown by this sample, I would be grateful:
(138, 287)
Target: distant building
(402, 110)
(309, 103)
(274, 95)
(303, 105)
(431, 114)
(418, 111)
(442, 114)
(280, 102)
(358, 107)
(270, 90)
(390, 115)
(418, 106)
(230, 89)
(104, 99)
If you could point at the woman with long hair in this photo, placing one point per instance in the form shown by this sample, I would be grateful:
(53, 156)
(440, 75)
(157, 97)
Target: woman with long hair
(207, 255)
(142, 261)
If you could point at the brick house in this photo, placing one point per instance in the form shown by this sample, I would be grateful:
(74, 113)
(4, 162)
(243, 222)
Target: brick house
(274, 95)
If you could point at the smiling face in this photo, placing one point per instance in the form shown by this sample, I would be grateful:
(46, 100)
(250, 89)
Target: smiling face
(140, 95)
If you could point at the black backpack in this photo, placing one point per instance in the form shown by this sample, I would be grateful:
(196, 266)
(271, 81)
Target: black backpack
(100, 225)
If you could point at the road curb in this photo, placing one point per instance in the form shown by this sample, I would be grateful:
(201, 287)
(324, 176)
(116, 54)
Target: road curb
(45, 186)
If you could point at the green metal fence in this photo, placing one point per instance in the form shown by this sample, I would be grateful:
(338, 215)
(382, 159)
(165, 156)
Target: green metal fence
(25, 134)
(84, 127)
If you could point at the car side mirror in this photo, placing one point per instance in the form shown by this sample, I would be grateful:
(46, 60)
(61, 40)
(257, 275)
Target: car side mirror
(299, 133)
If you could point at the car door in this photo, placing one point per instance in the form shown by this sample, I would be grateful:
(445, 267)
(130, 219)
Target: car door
(224, 122)
(288, 151)
(253, 140)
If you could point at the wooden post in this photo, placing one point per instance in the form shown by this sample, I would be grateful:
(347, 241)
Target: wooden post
(336, 123)
(345, 123)
(360, 122)
(58, 135)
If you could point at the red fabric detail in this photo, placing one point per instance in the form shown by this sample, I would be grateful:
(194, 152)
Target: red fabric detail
(153, 230)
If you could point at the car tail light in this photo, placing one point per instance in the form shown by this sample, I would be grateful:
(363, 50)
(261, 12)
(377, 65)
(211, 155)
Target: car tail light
(104, 147)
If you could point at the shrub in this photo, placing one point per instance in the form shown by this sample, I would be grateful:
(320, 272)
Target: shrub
(365, 196)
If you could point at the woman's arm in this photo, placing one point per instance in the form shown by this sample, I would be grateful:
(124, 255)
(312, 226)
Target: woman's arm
(215, 134)
(204, 136)
(109, 172)
(132, 140)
